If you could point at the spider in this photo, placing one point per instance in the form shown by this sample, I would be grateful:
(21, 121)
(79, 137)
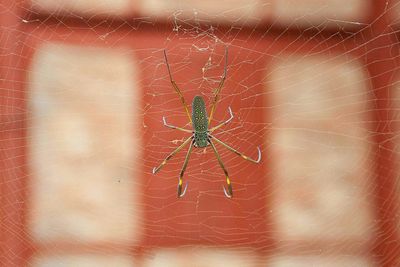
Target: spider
(201, 134)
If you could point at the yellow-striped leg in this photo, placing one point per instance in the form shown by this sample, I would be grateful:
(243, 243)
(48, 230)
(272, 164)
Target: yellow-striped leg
(185, 163)
(237, 152)
(223, 123)
(177, 88)
(221, 84)
(175, 127)
(228, 193)
(155, 170)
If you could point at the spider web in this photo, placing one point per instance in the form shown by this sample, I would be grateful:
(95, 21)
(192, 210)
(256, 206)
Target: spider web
(85, 86)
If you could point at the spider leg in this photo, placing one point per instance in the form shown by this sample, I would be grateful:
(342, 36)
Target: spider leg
(228, 193)
(223, 123)
(175, 127)
(185, 163)
(221, 84)
(155, 170)
(237, 152)
(177, 88)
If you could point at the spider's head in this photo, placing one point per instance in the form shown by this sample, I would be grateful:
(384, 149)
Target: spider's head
(200, 139)
(201, 143)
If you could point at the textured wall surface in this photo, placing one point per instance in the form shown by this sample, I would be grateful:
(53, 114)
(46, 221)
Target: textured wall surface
(81, 127)
(83, 146)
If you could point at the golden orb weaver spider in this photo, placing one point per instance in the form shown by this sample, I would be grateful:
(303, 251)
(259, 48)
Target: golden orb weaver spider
(201, 134)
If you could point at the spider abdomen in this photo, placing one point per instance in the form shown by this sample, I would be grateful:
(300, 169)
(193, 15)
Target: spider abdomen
(200, 121)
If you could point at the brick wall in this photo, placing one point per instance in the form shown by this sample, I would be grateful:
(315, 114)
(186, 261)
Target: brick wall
(87, 86)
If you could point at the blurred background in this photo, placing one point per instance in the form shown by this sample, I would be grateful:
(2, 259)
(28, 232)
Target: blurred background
(83, 89)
